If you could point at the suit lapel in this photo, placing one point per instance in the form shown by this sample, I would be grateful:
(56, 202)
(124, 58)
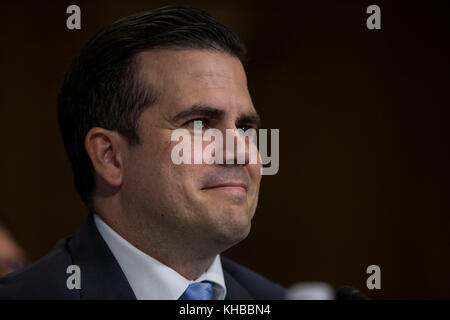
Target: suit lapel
(235, 291)
(101, 275)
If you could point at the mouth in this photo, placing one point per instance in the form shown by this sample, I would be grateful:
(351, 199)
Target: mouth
(234, 187)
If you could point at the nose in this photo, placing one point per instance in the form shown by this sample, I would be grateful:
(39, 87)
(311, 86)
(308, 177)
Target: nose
(239, 147)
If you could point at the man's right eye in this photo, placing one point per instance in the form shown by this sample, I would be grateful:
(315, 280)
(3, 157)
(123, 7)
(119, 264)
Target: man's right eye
(191, 122)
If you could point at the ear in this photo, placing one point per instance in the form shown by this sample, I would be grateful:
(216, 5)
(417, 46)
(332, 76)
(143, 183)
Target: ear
(105, 148)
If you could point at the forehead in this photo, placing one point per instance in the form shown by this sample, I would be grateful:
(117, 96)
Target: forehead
(183, 77)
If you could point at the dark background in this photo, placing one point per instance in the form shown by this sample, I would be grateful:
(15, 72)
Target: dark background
(364, 126)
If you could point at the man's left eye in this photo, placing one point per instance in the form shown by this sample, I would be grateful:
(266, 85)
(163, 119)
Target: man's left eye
(245, 128)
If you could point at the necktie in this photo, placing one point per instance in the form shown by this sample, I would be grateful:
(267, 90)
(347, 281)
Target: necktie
(199, 291)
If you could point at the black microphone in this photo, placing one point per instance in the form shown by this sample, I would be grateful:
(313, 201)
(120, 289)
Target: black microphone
(349, 293)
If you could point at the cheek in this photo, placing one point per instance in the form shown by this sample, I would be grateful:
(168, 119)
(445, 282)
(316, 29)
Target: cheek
(255, 172)
(146, 163)
(182, 176)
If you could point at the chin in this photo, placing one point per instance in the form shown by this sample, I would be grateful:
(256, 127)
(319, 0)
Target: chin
(234, 230)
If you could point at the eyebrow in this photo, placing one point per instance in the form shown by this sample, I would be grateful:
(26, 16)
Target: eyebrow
(250, 118)
(200, 110)
(212, 112)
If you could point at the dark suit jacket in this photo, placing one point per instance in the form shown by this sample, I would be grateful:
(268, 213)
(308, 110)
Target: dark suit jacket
(102, 277)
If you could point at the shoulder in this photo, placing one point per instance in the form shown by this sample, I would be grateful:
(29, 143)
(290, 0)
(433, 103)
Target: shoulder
(258, 286)
(43, 279)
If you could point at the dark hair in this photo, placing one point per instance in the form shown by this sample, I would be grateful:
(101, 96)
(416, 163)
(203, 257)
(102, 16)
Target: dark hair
(102, 88)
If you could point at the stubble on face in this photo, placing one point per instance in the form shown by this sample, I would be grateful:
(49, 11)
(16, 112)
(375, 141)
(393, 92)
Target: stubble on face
(185, 205)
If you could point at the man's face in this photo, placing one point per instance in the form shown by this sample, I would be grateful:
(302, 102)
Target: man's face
(202, 202)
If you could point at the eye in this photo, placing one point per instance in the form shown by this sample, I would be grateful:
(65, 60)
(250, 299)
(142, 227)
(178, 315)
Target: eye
(246, 127)
(190, 123)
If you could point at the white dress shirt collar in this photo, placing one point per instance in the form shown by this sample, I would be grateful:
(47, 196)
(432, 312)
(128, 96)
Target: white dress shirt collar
(150, 279)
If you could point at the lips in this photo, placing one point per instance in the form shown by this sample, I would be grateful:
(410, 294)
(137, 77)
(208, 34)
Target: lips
(230, 186)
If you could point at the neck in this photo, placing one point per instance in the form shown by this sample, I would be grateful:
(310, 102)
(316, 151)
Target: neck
(187, 255)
